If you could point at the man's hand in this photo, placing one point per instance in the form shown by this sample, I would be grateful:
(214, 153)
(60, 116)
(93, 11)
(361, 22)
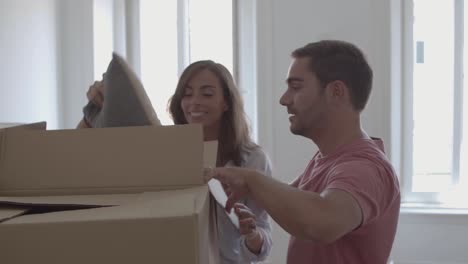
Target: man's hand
(235, 182)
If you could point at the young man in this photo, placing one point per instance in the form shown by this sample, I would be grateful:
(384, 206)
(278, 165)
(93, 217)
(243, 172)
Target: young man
(344, 208)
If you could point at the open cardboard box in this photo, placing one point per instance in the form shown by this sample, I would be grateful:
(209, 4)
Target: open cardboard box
(110, 195)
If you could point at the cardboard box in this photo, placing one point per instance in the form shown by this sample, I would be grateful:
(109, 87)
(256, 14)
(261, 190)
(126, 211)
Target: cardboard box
(97, 161)
(139, 190)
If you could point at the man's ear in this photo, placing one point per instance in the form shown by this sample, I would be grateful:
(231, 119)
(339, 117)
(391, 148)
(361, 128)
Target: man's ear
(337, 91)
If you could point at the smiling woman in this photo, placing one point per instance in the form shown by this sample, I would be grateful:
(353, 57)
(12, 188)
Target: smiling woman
(206, 94)
(204, 103)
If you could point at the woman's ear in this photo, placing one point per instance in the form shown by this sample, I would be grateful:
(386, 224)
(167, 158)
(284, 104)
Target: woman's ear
(225, 105)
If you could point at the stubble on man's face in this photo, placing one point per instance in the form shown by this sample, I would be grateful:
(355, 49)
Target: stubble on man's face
(310, 114)
(305, 99)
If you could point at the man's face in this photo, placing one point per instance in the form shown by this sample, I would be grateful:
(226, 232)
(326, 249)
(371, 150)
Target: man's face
(304, 99)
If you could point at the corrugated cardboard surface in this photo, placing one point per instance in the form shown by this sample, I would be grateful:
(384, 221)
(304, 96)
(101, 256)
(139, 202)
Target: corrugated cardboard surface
(9, 211)
(99, 161)
(37, 168)
(159, 227)
(13, 206)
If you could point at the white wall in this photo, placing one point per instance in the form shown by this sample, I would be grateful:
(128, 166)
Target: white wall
(76, 72)
(286, 25)
(46, 50)
(28, 72)
(431, 237)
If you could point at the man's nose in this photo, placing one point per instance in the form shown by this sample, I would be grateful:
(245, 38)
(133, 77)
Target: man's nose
(284, 100)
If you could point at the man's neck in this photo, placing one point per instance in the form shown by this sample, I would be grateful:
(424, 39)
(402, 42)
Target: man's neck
(337, 134)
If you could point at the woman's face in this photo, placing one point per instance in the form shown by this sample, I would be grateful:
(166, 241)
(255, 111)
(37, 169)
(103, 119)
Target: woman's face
(203, 102)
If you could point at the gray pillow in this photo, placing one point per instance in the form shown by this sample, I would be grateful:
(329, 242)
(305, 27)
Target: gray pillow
(125, 100)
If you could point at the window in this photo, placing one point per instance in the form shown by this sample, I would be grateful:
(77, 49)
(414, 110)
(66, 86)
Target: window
(159, 52)
(160, 38)
(102, 36)
(435, 109)
(177, 33)
(167, 37)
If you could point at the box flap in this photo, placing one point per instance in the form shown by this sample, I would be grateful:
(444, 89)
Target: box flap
(36, 126)
(210, 151)
(11, 207)
(70, 200)
(160, 204)
(100, 161)
(147, 229)
(8, 212)
(216, 189)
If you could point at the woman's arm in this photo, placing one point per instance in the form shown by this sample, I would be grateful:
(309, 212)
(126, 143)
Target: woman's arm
(257, 246)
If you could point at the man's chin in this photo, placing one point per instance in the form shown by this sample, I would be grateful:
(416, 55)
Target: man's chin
(295, 130)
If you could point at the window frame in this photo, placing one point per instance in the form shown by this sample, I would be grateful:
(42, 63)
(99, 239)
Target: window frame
(127, 42)
(407, 59)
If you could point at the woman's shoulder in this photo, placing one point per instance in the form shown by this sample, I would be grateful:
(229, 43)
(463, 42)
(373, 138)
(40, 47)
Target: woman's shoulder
(257, 159)
(256, 152)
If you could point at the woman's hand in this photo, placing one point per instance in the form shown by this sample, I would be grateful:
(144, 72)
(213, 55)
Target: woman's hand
(95, 93)
(248, 228)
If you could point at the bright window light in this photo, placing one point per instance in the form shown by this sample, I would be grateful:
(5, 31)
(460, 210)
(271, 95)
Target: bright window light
(102, 36)
(211, 35)
(208, 29)
(433, 95)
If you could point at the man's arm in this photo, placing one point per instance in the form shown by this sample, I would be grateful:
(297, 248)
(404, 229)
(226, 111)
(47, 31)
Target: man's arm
(322, 217)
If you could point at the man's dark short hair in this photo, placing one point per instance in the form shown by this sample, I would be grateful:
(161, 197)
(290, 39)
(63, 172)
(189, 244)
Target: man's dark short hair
(333, 60)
